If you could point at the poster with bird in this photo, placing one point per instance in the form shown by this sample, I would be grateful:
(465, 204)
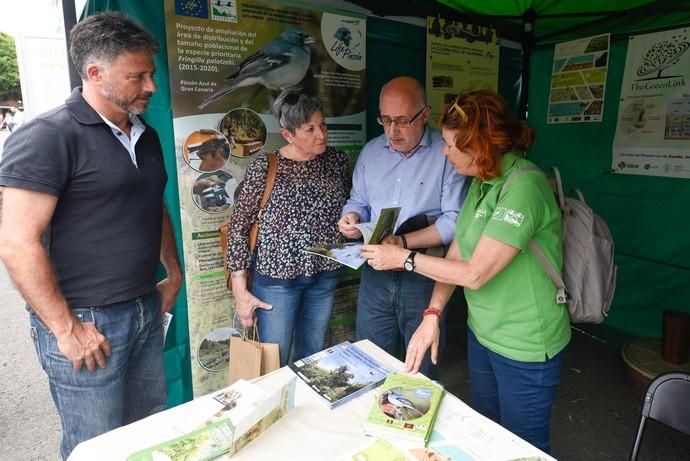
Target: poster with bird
(229, 61)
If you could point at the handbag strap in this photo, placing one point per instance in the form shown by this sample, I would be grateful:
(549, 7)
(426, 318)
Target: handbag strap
(270, 179)
(268, 188)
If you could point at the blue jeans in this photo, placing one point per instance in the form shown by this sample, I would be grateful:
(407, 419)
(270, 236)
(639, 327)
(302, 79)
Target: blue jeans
(517, 395)
(302, 308)
(389, 310)
(130, 387)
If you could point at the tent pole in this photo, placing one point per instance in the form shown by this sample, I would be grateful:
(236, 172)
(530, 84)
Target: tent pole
(69, 19)
(528, 20)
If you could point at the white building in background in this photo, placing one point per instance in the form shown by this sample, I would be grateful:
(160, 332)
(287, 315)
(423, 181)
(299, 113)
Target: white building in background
(38, 30)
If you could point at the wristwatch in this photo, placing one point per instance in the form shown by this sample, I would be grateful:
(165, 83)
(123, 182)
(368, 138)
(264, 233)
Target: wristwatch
(409, 262)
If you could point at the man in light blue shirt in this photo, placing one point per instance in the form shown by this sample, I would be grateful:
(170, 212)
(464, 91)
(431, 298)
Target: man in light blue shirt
(404, 167)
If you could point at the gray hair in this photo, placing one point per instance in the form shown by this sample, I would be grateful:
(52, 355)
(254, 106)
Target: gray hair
(293, 109)
(103, 37)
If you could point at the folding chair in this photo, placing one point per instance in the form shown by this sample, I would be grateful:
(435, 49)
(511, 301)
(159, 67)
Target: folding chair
(667, 400)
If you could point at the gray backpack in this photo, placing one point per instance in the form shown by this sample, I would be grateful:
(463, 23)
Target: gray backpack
(589, 275)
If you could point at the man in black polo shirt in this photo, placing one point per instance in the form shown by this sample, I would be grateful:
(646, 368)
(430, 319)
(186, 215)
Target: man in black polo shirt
(83, 229)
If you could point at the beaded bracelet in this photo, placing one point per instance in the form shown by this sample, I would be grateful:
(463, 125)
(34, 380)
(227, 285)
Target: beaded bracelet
(432, 311)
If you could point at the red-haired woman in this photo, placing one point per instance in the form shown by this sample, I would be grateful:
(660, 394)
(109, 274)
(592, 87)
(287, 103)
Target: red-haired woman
(517, 331)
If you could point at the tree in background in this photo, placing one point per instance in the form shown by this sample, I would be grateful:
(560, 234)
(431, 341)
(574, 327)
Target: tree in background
(9, 71)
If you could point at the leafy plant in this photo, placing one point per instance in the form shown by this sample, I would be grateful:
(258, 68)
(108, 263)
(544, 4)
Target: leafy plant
(9, 71)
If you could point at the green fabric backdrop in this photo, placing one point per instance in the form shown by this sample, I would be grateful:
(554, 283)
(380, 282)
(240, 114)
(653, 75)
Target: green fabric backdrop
(159, 115)
(393, 49)
(647, 216)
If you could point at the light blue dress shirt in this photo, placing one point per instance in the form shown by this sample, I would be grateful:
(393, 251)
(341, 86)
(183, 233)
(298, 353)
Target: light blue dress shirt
(423, 182)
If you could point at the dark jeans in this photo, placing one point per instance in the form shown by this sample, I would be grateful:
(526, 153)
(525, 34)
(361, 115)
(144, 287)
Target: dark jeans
(302, 311)
(389, 310)
(517, 395)
(130, 387)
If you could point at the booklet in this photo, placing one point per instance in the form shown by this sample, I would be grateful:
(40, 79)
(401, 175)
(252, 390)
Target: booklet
(240, 414)
(204, 444)
(235, 403)
(406, 408)
(349, 254)
(383, 227)
(340, 373)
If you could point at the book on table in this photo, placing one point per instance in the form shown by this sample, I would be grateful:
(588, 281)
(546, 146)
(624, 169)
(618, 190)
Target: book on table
(405, 407)
(340, 373)
(348, 253)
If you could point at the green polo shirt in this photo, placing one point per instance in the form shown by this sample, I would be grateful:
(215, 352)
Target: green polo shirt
(515, 313)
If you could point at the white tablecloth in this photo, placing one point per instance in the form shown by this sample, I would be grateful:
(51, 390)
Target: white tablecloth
(312, 431)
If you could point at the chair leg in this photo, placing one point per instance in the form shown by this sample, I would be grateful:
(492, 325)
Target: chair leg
(638, 439)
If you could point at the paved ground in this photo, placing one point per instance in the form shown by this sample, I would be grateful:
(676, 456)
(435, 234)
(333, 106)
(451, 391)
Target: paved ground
(29, 426)
(595, 415)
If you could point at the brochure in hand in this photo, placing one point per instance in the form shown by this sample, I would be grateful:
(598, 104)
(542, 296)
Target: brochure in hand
(374, 233)
(349, 253)
(340, 373)
(406, 408)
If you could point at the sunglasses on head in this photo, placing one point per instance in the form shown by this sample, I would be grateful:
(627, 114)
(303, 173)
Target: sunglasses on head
(455, 107)
(291, 98)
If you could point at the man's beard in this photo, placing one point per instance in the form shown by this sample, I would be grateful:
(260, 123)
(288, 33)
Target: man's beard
(132, 106)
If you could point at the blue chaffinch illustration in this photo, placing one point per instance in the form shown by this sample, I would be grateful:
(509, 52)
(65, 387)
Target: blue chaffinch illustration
(281, 64)
(344, 35)
(400, 402)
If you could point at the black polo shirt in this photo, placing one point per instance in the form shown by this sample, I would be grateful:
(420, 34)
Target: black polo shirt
(104, 238)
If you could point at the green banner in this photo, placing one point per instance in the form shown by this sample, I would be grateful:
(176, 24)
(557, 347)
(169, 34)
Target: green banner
(228, 61)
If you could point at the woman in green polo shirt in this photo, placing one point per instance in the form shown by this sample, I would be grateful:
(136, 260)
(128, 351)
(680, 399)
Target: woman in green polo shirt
(517, 331)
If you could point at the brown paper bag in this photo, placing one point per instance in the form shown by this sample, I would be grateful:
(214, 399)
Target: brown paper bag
(270, 357)
(245, 359)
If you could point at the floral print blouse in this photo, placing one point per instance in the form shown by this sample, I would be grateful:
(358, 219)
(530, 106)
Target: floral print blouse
(302, 211)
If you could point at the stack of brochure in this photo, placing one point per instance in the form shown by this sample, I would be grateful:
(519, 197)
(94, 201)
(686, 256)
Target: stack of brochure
(406, 408)
(340, 373)
(223, 423)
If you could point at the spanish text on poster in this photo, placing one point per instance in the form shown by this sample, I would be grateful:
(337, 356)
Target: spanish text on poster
(459, 56)
(228, 63)
(653, 130)
(578, 80)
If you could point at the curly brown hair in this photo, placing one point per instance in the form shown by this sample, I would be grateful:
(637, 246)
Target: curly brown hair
(485, 125)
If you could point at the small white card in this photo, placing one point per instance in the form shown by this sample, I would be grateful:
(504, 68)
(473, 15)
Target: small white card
(167, 318)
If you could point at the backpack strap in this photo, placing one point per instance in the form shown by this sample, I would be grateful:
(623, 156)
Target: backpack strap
(559, 188)
(561, 295)
(513, 174)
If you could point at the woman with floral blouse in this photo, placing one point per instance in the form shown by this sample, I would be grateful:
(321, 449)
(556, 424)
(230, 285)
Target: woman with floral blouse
(291, 291)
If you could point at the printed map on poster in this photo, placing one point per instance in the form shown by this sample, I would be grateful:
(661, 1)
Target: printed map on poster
(578, 80)
(653, 129)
